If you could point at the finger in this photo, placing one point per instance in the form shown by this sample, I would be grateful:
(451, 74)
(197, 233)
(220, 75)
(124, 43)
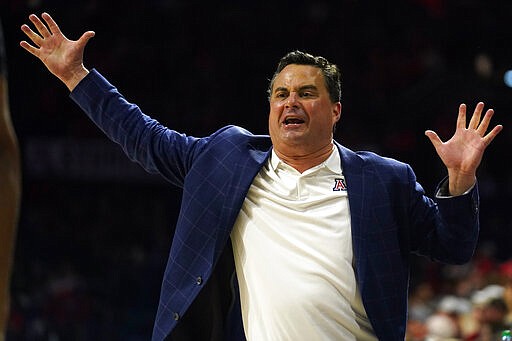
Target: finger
(41, 28)
(482, 128)
(461, 119)
(475, 119)
(36, 39)
(492, 134)
(434, 138)
(30, 48)
(54, 28)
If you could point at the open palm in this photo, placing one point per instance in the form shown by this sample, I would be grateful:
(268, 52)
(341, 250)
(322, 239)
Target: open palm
(463, 152)
(62, 57)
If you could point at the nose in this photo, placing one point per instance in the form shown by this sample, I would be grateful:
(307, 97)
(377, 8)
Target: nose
(292, 100)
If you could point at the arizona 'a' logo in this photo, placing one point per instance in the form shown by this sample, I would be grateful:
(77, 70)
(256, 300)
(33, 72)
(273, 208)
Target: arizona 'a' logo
(339, 185)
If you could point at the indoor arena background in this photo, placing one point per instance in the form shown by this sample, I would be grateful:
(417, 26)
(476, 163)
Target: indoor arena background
(95, 230)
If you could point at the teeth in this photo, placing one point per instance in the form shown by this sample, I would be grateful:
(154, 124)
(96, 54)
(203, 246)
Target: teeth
(292, 120)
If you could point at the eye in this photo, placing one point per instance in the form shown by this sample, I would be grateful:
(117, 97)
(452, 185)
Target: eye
(280, 95)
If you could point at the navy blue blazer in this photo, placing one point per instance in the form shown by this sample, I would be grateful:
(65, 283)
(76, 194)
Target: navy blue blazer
(391, 216)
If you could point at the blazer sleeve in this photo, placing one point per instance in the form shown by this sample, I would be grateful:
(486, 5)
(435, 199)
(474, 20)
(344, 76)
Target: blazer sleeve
(144, 140)
(446, 228)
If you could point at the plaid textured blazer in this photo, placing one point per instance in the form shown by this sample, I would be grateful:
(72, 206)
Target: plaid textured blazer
(391, 216)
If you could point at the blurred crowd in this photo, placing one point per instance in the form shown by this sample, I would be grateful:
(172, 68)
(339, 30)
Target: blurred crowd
(470, 303)
(93, 239)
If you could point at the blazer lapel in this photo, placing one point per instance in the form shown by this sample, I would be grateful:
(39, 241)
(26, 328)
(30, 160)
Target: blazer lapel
(354, 173)
(246, 168)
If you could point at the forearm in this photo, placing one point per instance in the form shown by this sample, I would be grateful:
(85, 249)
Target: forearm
(445, 228)
(457, 227)
(121, 121)
(156, 148)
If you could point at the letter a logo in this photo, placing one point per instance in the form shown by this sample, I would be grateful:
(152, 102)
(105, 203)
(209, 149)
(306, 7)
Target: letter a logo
(339, 185)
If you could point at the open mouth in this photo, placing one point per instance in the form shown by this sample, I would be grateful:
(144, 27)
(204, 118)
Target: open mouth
(292, 120)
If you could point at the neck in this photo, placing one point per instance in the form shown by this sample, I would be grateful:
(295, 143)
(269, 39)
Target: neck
(303, 162)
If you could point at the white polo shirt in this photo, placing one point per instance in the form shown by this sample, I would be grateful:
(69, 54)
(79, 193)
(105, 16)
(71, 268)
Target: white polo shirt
(293, 254)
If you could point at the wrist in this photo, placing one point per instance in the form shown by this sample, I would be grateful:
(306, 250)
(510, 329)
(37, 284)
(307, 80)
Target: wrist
(459, 183)
(75, 77)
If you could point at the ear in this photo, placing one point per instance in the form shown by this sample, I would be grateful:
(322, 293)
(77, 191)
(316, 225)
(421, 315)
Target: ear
(336, 112)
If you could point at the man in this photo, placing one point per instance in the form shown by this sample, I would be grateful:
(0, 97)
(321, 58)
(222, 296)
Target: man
(320, 235)
(10, 190)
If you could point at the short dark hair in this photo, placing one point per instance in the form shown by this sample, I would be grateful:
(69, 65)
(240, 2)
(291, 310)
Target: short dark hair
(330, 71)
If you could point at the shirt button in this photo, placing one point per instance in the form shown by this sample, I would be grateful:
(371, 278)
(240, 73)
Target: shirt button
(199, 280)
(176, 316)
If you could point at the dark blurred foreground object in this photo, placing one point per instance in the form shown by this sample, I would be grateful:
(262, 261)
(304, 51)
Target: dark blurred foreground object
(10, 190)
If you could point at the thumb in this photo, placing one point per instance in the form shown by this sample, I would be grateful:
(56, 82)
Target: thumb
(434, 138)
(85, 38)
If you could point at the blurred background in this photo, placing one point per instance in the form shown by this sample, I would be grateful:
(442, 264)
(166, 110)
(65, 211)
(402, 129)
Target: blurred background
(95, 230)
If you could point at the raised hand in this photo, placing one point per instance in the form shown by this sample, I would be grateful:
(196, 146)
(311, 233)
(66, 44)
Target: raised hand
(62, 57)
(463, 152)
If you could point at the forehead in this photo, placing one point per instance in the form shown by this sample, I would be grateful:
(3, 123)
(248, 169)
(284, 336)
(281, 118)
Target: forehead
(294, 75)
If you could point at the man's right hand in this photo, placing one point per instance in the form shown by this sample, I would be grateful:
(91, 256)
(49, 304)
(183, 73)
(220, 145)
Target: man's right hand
(62, 57)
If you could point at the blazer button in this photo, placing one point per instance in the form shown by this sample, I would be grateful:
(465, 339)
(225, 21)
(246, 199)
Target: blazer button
(199, 280)
(176, 316)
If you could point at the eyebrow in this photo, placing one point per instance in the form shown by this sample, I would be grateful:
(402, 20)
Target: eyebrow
(302, 88)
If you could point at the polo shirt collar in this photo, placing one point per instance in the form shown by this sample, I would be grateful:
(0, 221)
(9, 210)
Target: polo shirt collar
(333, 162)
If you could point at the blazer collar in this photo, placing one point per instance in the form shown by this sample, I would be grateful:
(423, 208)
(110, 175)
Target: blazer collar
(356, 179)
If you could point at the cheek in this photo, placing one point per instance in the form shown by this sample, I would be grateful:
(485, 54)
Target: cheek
(322, 120)
(272, 119)
(274, 114)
